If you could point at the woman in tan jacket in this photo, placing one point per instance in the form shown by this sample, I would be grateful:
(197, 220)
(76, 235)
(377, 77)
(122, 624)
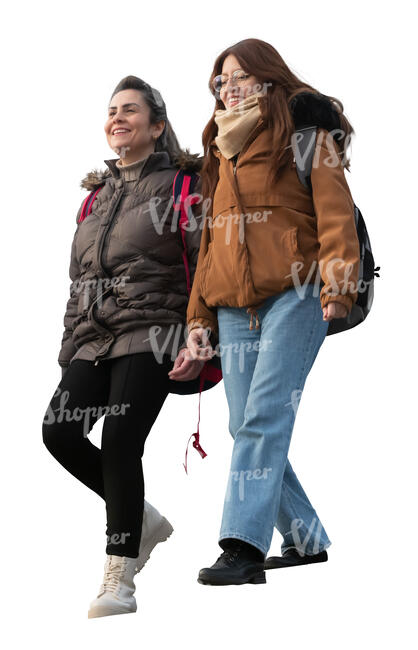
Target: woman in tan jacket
(278, 261)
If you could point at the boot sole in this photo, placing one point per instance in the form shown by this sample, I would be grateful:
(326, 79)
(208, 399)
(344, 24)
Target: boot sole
(164, 531)
(276, 564)
(257, 579)
(102, 611)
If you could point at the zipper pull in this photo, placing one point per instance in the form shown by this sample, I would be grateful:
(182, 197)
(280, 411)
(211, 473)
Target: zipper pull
(96, 362)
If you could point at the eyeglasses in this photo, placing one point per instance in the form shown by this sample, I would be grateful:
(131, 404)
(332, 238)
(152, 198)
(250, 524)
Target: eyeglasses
(238, 78)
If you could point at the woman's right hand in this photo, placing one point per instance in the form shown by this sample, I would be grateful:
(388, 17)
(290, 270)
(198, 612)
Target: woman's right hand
(199, 345)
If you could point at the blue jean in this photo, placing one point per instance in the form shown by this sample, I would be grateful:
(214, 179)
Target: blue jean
(264, 372)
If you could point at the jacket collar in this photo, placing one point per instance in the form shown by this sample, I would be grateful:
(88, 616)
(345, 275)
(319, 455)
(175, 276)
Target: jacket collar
(156, 160)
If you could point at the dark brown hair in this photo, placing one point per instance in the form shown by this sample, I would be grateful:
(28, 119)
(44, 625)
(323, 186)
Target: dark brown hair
(262, 60)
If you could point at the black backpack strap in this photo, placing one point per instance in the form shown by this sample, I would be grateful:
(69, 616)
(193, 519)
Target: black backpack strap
(303, 146)
(178, 183)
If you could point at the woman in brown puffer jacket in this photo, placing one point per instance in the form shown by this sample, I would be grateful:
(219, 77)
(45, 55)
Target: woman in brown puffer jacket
(124, 327)
(287, 256)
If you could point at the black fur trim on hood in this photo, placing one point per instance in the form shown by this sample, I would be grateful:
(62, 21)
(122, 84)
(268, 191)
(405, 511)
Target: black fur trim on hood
(190, 162)
(310, 109)
(187, 161)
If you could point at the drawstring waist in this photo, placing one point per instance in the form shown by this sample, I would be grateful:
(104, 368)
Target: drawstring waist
(252, 311)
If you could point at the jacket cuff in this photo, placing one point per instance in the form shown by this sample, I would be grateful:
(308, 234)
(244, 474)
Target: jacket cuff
(63, 364)
(345, 300)
(202, 322)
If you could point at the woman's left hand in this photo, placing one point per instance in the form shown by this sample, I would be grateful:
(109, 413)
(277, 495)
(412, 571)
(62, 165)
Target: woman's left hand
(334, 310)
(185, 367)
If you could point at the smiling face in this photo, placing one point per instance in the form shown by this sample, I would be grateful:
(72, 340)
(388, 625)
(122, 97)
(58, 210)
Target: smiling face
(128, 129)
(233, 92)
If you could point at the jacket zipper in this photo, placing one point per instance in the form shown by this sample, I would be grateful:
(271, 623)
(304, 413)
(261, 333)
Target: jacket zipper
(249, 140)
(101, 247)
(110, 224)
(108, 227)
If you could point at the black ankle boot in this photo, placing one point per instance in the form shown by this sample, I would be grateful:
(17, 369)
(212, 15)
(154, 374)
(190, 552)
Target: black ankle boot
(292, 558)
(240, 563)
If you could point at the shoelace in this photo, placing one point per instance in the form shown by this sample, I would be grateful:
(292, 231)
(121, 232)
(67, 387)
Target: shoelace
(229, 555)
(113, 572)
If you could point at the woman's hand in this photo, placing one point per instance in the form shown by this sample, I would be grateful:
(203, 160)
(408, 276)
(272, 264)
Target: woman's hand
(185, 367)
(334, 310)
(199, 345)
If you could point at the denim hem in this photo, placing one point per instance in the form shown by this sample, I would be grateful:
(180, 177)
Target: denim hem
(244, 538)
(321, 548)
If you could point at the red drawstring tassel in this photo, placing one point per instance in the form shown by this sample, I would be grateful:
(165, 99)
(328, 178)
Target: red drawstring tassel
(196, 443)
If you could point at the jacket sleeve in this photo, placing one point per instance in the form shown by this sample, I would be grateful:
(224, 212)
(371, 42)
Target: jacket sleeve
(197, 241)
(68, 348)
(339, 252)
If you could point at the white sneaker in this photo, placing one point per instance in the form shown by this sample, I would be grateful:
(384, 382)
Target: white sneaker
(155, 529)
(116, 595)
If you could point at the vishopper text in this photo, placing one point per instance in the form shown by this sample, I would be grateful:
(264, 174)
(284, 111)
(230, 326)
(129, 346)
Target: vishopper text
(101, 284)
(326, 270)
(180, 332)
(296, 525)
(77, 414)
(335, 157)
(196, 222)
(245, 475)
(240, 218)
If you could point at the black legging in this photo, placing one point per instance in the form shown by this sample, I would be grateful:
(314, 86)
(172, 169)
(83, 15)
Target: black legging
(133, 388)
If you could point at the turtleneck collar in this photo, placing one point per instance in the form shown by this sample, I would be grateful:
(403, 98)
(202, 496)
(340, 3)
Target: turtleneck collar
(132, 171)
(156, 160)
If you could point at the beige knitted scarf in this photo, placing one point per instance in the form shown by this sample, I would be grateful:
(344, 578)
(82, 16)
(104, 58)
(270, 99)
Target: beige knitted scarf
(235, 124)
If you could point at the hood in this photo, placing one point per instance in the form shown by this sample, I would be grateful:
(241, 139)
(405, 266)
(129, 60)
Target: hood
(187, 161)
(311, 109)
(94, 179)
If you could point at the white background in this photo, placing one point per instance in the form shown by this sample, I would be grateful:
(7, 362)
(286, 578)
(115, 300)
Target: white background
(354, 442)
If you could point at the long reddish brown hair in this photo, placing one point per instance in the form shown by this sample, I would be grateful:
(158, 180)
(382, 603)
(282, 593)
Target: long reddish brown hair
(262, 60)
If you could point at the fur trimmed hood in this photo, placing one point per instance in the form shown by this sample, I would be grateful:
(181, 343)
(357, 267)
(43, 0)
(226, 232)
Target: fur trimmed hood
(311, 109)
(94, 179)
(186, 161)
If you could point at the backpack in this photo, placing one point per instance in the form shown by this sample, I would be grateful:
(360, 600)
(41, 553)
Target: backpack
(367, 269)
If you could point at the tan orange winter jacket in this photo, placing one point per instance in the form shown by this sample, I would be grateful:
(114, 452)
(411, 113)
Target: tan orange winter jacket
(242, 262)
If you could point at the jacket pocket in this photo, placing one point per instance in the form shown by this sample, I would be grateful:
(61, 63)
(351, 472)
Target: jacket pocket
(291, 245)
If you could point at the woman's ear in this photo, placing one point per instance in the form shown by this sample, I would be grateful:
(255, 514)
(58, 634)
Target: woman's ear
(158, 128)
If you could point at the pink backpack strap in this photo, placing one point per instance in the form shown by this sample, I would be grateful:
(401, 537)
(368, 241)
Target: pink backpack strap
(179, 200)
(88, 204)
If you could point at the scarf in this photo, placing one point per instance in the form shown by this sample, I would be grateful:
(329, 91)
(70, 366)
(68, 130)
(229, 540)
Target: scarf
(235, 124)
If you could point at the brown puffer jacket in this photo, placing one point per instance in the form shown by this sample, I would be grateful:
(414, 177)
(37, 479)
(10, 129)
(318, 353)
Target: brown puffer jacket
(243, 261)
(129, 292)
